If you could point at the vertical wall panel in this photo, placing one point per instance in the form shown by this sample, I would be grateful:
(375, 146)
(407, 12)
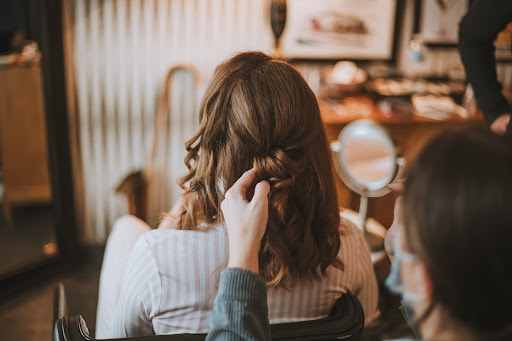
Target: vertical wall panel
(109, 107)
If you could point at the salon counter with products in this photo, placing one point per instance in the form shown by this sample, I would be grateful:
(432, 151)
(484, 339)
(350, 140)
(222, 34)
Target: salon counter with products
(410, 131)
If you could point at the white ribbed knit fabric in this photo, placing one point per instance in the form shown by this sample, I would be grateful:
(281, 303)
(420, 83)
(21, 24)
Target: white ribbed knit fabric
(170, 281)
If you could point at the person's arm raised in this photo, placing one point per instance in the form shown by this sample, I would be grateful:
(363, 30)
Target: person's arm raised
(477, 32)
(500, 124)
(240, 310)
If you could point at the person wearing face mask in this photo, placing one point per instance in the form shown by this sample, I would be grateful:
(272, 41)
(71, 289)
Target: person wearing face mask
(453, 236)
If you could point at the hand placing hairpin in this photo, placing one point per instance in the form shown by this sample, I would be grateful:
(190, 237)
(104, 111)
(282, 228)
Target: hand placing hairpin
(245, 220)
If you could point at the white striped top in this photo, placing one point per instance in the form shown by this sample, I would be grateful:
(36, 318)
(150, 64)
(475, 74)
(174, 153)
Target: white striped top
(171, 280)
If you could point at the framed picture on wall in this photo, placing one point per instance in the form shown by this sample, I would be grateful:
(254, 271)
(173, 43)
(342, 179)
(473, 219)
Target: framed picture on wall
(339, 29)
(438, 20)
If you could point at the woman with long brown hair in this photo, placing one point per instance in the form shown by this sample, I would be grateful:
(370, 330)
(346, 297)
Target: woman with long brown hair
(257, 112)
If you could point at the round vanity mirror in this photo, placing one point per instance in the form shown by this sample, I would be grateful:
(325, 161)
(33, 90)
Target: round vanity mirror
(365, 157)
(366, 160)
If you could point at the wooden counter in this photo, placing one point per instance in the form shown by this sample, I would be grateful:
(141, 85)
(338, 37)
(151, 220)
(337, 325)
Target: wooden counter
(410, 133)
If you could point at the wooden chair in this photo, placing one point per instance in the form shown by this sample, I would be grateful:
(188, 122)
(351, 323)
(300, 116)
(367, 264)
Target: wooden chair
(135, 185)
(345, 322)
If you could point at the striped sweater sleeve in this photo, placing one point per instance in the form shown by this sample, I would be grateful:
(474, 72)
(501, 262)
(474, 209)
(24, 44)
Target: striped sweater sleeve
(240, 310)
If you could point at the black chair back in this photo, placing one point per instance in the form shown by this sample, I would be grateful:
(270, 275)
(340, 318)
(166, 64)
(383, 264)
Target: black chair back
(345, 322)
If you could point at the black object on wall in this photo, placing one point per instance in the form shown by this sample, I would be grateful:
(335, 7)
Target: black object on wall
(57, 126)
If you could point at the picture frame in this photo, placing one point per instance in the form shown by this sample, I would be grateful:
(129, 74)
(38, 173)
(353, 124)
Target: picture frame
(340, 29)
(438, 20)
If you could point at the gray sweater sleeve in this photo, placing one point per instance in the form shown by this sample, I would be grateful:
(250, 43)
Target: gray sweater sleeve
(240, 310)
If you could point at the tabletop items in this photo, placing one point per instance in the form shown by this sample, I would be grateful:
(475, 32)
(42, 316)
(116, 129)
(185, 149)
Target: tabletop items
(28, 56)
(345, 83)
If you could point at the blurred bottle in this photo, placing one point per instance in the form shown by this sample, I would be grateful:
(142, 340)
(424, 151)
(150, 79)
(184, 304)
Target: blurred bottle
(469, 101)
(277, 23)
(417, 53)
(417, 48)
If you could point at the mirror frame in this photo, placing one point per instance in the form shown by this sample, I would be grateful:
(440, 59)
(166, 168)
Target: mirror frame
(375, 188)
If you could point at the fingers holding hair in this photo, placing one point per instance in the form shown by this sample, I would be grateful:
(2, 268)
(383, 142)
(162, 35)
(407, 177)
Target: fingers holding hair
(261, 192)
(243, 184)
(397, 186)
(246, 221)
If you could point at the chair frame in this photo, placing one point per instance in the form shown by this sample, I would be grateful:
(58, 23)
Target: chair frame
(345, 322)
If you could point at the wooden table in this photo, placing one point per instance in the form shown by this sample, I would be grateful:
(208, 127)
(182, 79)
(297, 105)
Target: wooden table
(410, 132)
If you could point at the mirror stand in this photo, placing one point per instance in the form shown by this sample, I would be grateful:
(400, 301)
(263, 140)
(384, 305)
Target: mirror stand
(363, 210)
(366, 161)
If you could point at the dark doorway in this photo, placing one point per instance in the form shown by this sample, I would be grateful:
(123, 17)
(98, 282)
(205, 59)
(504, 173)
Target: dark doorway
(37, 221)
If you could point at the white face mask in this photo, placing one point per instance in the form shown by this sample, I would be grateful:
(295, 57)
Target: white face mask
(394, 280)
(395, 285)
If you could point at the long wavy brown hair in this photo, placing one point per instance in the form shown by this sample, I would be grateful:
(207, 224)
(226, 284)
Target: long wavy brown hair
(259, 112)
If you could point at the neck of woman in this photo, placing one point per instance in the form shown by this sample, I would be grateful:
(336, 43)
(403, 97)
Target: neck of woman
(440, 326)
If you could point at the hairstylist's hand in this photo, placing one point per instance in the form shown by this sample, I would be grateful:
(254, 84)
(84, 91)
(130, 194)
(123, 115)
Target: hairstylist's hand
(391, 234)
(499, 125)
(245, 221)
(397, 187)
